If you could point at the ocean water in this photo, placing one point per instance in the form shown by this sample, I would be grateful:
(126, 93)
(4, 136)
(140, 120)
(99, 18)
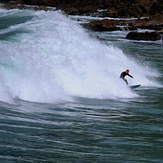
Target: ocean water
(61, 97)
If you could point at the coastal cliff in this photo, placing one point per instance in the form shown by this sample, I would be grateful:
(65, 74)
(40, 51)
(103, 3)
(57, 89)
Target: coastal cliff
(151, 10)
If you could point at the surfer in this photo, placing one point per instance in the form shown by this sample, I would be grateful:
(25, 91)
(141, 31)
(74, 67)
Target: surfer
(123, 74)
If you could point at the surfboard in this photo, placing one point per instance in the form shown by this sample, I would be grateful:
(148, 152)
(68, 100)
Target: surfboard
(135, 86)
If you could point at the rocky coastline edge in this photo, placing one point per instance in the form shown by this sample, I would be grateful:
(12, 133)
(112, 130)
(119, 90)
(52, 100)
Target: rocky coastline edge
(152, 21)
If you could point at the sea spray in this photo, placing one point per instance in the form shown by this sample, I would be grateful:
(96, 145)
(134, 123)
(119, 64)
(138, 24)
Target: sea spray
(56, 59)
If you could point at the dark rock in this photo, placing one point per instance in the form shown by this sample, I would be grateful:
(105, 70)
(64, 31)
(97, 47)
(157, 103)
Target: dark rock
(103, 25)
(147, 36)
(20, 5)
(115, 8)
(156, 8)
(154, 23)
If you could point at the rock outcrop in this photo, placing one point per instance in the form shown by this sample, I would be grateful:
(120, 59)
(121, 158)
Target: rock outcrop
(105, 8)
(146, 36)
(155, 23)
(151, 9)
(103, 25)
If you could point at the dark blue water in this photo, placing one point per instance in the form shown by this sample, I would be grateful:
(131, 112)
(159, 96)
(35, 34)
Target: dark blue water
(58, 108)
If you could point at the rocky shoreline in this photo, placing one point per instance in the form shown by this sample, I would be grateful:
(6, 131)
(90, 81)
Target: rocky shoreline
(154, 24)
(151, 10)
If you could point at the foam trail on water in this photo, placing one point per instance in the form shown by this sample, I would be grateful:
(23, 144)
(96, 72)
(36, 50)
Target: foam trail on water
(57, 60)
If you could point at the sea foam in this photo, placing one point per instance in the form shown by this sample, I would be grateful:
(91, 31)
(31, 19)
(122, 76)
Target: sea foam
(57, 59)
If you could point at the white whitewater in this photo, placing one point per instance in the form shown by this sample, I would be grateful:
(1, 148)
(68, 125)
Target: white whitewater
(56, 60)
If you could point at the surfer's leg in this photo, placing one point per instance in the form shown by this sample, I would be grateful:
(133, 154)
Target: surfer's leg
(125, 81)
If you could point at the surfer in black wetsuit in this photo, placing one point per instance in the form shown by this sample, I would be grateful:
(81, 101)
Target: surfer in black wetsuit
(123, 74)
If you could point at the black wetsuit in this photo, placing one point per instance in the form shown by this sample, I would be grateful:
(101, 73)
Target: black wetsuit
(123, 74)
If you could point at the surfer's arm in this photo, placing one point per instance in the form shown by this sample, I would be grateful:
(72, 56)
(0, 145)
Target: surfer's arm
(130, 76)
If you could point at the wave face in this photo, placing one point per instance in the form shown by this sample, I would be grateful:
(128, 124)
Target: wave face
(47, 57)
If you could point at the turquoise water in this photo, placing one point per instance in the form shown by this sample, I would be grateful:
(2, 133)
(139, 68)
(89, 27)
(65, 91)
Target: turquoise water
(62, 99)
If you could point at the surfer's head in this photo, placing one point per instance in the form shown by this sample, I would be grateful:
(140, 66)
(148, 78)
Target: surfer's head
(127, 71)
